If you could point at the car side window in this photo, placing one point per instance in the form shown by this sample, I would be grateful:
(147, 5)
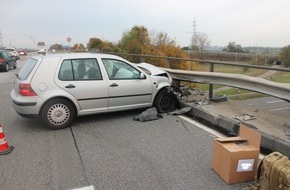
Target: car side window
(118, 70)
(80, 69)
(66, 71)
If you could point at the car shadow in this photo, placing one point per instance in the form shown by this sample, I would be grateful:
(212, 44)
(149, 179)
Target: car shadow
(107, 116)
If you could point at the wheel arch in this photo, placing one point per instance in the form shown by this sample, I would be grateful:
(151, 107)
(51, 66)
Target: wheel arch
(63, 98)
(168, 90)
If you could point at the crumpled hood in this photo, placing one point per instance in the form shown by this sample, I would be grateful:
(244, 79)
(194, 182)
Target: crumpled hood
(153, 69)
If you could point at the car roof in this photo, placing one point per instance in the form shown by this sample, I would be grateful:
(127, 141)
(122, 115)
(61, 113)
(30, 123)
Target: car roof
(10, 49)
(77, 56)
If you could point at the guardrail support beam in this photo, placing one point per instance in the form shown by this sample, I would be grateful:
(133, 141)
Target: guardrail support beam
(210, 91)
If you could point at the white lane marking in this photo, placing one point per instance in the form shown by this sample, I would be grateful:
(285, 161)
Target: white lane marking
(209, 130)
(203, 127)
(277, 109)
(85, 188)
(275, 101)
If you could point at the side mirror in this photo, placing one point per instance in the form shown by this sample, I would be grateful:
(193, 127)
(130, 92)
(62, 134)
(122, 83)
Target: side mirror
(142, 76)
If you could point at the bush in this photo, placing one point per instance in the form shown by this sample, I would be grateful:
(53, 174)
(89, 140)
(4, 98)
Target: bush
(284, 56)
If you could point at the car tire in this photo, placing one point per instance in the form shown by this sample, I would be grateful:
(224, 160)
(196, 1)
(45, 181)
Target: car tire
(165, 101)
(57, 113)
(6, 68)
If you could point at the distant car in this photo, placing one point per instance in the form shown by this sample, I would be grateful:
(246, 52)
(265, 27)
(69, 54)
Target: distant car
(13, 52)
(42, 51)
(7, 61)
(22, 52)
(58, 87)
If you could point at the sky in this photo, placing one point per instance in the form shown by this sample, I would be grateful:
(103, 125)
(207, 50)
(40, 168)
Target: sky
(247, 22)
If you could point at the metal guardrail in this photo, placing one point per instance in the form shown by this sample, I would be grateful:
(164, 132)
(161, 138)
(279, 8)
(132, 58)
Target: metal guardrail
(279, 90)
(211, 62)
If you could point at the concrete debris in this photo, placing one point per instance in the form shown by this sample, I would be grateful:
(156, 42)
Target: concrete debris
(202, 102)
(244, 117)
(147, 115)
(190, 94)
(180, 111)
(221, 98)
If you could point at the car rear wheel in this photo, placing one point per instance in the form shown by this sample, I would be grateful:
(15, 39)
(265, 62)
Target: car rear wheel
(165, 101)
(58, 113)
(6, 68)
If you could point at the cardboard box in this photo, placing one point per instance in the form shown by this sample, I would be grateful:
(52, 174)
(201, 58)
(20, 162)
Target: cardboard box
(235, 159)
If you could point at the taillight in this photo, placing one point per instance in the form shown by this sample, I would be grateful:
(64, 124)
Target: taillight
(26, 90)
(1, 60)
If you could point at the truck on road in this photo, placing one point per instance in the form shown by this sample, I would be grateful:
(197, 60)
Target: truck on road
(41, 48)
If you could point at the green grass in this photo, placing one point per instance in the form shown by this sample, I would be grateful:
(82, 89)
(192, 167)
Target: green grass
(239, 94)
(281, 77)
(233, 70)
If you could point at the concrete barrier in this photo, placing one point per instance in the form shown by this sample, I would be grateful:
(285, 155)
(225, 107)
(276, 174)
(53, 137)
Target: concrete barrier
(230, 127)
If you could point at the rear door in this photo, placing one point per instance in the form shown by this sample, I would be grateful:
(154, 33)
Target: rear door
(128, 88)
(83, 79)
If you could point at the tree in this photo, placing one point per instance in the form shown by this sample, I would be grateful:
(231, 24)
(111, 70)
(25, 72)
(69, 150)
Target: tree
(284, 56)
(56, 47)
(135, 41)
(138, 41)
(167, 46)
(199, 42)
(95, 44)
(233, 47)
(110, 47)
(78, 47)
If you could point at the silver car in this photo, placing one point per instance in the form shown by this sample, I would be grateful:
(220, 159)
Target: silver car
(58, 87)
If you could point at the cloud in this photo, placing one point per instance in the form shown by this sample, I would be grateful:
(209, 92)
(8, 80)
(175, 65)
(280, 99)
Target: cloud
(261, 22)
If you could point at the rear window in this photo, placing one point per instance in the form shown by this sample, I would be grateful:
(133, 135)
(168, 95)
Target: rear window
(9, 49)
(27, 68)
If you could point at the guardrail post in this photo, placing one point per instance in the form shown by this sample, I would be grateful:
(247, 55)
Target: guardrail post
(176, 84)
(210, 92)
(167, 63)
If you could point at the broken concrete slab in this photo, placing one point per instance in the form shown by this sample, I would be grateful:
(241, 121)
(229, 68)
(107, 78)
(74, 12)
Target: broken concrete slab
(221, 98)
(147, 115)
(229, 127)
(244, 117)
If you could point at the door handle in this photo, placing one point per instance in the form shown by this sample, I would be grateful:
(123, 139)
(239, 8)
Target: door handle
(114, 85)
(70, 86)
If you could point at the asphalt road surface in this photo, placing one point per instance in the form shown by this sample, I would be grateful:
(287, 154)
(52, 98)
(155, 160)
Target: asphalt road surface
(270, 104)
(107, 151)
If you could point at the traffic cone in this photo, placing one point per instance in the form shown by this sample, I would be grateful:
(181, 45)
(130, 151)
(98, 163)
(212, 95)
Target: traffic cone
(4, 147)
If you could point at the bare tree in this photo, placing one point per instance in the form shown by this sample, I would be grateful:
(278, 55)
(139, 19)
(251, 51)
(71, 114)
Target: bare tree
(199, 42)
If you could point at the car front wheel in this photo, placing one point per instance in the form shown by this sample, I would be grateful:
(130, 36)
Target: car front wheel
(165, 101)
(57, 113)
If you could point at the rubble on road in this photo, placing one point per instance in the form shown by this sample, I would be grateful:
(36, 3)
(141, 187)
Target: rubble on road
(147, 115)
(192, 95)
(244, 117)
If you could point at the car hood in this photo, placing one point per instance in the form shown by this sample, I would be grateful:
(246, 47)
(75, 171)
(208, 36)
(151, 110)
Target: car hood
(153, 69)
